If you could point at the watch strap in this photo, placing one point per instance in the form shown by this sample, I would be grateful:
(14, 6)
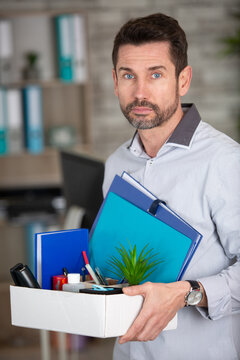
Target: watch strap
(194, 285)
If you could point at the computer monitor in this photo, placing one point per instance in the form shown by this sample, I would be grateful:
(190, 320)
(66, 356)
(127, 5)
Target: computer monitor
(82, 184)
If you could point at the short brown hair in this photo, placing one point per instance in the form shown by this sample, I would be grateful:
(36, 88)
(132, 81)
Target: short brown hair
(153, 28)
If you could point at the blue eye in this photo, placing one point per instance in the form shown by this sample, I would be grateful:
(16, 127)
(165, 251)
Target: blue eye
(156, 75)
(128, 76)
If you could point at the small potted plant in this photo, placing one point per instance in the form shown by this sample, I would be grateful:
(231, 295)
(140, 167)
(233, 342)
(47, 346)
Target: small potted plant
(132, 267)
(31, 70)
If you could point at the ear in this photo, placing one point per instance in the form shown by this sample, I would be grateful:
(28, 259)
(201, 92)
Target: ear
(115, 82)
(184, 80)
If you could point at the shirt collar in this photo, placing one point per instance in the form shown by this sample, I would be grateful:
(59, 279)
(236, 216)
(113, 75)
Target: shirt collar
(183, 134)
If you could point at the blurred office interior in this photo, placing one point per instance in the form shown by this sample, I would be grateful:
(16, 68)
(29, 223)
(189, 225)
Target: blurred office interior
(82, 115)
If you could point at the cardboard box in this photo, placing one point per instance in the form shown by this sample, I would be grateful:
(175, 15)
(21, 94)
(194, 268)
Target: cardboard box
(84, 314)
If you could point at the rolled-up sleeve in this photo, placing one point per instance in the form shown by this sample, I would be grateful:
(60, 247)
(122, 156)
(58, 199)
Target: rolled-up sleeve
(223, 289)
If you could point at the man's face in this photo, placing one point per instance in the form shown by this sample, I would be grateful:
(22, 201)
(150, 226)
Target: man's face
(146, 84)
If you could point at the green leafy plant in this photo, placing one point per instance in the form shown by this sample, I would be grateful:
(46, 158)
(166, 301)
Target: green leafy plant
(32, 58)
(133, 268)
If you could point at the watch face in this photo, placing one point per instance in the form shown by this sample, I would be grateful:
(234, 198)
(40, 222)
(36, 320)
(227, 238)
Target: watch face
(194, 297)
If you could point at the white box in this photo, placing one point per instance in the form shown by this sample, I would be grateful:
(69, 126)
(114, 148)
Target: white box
(84, 314)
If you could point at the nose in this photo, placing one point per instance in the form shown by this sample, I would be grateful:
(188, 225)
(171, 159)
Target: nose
(140, 90)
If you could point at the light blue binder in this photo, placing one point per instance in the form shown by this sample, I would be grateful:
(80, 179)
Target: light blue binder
(64, 27)
(33, 118)
(121, 222)
(124, 216)
(3, 122)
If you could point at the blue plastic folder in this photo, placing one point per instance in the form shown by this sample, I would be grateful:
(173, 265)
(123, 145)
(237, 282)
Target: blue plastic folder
(124, 216)
(56, 250)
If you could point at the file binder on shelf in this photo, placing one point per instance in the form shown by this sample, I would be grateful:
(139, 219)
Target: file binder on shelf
(3, 122)
(56, 250)
(33, 118)
(65, 47)
(6, 51)
(128, 214)
(79, 49)
(15, 140)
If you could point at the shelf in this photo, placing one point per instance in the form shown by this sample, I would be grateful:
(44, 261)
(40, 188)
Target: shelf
(27, 170)
(64, 103)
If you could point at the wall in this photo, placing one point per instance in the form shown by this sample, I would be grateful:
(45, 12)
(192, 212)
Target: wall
(215, 79)
(215, 84)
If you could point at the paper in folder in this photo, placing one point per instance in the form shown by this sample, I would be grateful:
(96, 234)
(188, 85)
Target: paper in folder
(130, 213)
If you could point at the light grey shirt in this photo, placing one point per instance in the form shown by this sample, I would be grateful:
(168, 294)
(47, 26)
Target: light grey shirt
(197, 173)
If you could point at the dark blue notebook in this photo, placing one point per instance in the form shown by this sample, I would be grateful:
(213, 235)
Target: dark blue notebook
(56, 250)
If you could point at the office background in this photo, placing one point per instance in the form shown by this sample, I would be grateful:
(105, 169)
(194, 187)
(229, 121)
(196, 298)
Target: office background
(215, 90)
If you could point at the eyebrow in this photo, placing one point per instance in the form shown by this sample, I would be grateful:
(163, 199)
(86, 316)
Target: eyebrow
(157, 67)
(125, 69)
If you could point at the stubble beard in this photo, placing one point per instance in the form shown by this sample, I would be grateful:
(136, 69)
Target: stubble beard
(161, 116)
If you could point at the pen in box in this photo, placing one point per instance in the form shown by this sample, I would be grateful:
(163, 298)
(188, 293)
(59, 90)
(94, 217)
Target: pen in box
(89, 268)
(99, 279)
(65, 271)
(99, 274)
(83, 273)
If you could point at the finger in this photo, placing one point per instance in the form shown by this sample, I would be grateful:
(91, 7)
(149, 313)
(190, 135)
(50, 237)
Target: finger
(152, 329)
(136, 328)
(155, 326)
(131, 334)
(147, 326)
(135, 290)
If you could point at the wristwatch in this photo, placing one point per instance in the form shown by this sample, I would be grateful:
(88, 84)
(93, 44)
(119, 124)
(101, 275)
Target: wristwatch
(194, 296)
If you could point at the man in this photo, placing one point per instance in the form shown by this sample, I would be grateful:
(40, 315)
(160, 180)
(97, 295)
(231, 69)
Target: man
(196, 170)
